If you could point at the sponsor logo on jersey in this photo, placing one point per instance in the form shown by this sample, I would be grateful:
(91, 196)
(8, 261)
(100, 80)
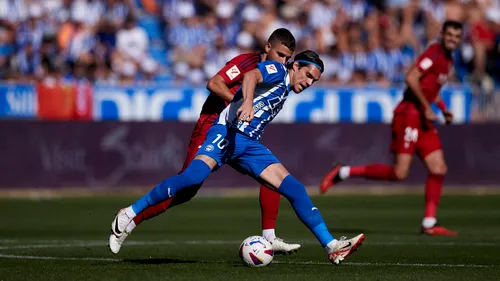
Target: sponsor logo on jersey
(425, 63)
(233, 72)
(258, 106)
(271, 69)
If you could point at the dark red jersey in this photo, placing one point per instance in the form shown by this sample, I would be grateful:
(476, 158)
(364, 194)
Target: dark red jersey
(232, 73)
(435, 65)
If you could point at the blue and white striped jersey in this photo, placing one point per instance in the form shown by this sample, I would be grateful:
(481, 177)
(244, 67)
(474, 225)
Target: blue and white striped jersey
(269, 97)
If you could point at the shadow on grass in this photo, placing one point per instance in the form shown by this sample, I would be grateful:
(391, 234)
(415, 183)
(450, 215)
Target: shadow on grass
(160, 261)
(356, 231)
(177, 261)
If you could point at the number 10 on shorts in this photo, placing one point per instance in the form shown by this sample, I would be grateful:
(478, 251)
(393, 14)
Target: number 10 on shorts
(220, 141)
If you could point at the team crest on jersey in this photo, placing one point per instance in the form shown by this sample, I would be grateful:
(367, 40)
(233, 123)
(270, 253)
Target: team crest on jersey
(233, 72)
(271, 68)
(209, 148)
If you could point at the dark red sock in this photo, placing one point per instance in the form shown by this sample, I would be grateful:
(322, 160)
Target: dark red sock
(374, 172)
(152, 211)
(433, 190)
(269, 207)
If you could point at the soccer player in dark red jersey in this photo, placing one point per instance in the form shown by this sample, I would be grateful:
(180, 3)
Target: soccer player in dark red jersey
(280, 47)
(413, 129)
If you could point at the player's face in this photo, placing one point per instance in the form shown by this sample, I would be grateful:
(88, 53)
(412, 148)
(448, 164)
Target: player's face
(278, 52)
(304, 77)
(451, 38)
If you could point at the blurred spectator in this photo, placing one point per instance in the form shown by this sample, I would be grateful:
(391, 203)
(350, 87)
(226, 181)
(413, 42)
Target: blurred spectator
(13, 11)
(131, 56)
(189, 40)
(6, 48)
(27, 63)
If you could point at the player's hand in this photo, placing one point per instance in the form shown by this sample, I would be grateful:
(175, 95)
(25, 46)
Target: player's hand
(430, 115)
(245, 112)
(448, 117)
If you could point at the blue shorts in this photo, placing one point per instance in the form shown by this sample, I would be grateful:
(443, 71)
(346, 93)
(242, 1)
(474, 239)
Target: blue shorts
(229, 146)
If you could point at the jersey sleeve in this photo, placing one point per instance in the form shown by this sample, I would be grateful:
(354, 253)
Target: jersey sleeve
(272, 71)
(234, 70)
(230, 72)
(427, 60)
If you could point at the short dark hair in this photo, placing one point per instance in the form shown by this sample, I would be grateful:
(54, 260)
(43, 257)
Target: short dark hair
(309, 57)
(283, 36)
(451, 23)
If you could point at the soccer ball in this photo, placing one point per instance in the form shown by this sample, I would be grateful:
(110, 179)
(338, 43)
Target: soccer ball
(256, 251)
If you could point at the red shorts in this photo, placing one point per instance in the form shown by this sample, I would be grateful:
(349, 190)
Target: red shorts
(410, 135)
(198, 137)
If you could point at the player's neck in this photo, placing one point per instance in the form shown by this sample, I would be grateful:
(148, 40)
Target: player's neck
(446, 51)
(291, 74)
(263, 57)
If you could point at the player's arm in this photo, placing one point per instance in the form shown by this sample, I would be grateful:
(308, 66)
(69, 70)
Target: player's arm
(448, 116)
(227, 77)
(218, 86)
(412, 79)
(250, 81)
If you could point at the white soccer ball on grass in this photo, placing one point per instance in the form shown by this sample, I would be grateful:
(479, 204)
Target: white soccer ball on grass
(256, 251)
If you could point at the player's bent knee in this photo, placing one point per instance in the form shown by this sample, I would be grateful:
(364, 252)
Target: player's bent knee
(185, 195)
(401, 173)
(196, 173)
(439, 169)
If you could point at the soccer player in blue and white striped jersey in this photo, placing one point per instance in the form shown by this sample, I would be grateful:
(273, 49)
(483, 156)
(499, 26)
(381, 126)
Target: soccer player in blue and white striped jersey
(233, 139)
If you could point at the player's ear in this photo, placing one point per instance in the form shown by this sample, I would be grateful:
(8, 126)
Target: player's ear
(267, 48)
(296, 66)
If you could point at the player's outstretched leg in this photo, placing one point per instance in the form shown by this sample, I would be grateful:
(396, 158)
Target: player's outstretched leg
(194, 175)
(384, 172)
(183, 196)
(296, 194)
(197, 138)
(433, 189)
(340, 173)
(269, 206)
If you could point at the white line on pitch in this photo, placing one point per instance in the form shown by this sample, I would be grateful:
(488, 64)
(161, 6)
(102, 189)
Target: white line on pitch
(275, 262)
(393, 264)
(56, 258)
(8, 241)
(97, 243)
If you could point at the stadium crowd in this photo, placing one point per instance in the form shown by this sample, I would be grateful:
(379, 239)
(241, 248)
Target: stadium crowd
(361, 41)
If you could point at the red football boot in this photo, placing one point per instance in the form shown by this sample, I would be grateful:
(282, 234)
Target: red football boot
(331, 178)
(438, 230)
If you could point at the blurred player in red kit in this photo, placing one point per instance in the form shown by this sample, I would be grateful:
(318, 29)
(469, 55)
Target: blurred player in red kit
(413, 129)
(280, 47)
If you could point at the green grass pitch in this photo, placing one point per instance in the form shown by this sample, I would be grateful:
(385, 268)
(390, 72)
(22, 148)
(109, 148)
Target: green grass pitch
(66, 239)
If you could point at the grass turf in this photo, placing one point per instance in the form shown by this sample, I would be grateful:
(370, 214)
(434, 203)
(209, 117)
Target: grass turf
(66, 239)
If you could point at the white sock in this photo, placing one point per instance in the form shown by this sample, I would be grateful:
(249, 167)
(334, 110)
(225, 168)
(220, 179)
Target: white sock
(330, 246)
(269, 234)
(130, 226)
(428, 222)
(344, 172)
(130, 212)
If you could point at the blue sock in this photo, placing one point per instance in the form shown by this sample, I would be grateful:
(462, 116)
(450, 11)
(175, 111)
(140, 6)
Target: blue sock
(194, 174)
(296, 193)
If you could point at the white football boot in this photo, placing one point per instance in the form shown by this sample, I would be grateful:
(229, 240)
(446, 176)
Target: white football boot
(281, 247)
(119, 231)
(115, 243)
(344, 248)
